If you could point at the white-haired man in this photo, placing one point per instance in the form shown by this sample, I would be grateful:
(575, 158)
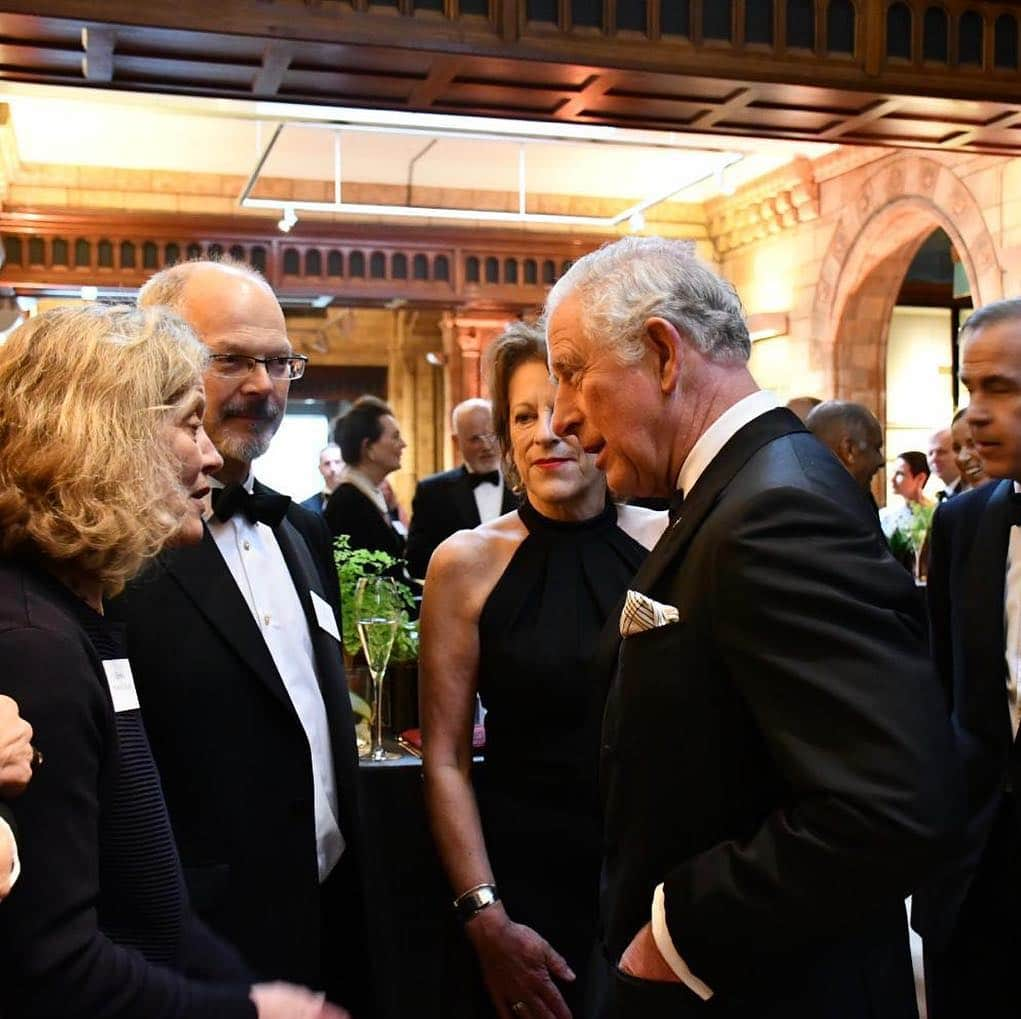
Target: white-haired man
(777, 764)
(462, 498)
(235, 649)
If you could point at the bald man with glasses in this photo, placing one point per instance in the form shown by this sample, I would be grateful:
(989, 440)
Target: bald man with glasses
(235, 649)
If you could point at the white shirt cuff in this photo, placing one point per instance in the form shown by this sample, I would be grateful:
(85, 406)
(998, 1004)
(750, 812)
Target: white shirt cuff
(661, 935)
(5, 829)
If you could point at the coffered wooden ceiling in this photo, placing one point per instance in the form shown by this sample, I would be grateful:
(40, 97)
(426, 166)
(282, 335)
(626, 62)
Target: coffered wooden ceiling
(877, 72)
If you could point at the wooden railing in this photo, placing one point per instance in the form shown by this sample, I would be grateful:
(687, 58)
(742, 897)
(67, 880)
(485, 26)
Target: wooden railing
(355, 264)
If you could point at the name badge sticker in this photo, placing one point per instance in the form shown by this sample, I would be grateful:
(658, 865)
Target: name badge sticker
(325, 616)
(121, 683)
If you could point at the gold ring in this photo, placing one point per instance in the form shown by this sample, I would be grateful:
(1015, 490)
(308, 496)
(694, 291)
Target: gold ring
(37, 757)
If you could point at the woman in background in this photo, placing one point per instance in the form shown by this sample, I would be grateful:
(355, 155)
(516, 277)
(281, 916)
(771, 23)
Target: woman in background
(371, 445)
(969, 464)
(513, 610)
(103, 462)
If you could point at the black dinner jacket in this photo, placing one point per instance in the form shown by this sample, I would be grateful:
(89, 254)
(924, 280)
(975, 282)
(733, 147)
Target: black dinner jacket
(969, 539)
(350, 511)
(233, 755)
(779, 757)
(444, 503)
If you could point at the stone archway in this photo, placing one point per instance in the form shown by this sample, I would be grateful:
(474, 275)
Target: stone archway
(896, 207)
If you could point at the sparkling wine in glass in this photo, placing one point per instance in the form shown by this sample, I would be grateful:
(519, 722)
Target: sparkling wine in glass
(377, 616)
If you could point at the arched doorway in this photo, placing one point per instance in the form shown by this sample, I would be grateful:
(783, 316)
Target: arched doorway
(897, 207)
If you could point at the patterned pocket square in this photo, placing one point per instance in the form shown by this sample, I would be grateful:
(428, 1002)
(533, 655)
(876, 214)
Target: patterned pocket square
(641, 613)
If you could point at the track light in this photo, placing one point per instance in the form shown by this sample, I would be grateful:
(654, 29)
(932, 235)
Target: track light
(289, 218)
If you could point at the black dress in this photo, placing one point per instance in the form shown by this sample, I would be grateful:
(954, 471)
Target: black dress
(538, 795)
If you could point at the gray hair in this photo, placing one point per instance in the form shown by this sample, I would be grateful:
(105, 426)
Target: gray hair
(472, 403)
(166, 288)
(992, 314)
(832, 420)
(623, 284)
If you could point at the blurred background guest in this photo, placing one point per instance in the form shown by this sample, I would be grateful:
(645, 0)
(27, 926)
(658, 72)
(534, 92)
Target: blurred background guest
(854, 436)
(513, 610)
(103, 463)
(941, 463)
(910, 476)
(16, 758)
(971, 469)
(370, 443)
(330, 467)
(465, 497)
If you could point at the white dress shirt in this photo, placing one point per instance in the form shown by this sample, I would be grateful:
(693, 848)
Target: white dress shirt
(1012, 621)
(702, 454)
(489, 499)
(257, 565)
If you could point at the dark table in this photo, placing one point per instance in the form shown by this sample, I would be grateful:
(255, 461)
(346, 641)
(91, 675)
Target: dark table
(431, 962)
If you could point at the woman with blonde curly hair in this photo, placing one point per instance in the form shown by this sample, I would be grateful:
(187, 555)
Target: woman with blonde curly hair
(103, 462)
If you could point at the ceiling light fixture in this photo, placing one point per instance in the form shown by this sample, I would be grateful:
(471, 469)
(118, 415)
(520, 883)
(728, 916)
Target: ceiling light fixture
(706, 165)
(289, 218)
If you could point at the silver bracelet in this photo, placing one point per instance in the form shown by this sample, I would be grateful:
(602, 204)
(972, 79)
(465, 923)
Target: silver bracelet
(473, 901)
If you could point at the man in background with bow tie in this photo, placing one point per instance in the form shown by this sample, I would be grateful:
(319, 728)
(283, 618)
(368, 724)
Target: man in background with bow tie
(235, 650)
(465, 497)
(776, 762)
(969, 914)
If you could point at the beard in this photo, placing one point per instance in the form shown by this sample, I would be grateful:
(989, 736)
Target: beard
(263, 415)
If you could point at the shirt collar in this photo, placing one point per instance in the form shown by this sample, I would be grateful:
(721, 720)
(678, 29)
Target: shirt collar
(719, 433)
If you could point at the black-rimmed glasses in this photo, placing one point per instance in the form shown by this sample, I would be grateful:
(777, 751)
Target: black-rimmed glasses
(237, 366)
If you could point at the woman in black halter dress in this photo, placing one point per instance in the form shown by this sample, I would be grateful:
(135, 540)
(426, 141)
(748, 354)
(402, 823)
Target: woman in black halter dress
(513, 610)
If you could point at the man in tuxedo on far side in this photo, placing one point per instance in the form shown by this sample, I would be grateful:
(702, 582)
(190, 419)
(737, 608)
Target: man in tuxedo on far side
(969, 914)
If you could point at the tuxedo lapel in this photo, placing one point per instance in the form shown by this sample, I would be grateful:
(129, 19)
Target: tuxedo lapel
(983, 618)
(464, 500)
(732, 457)
(205, 579)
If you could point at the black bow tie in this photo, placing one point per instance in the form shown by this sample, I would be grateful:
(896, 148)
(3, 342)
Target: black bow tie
(1014, 509)
(676, 501)
(267, 507)
(489, 478)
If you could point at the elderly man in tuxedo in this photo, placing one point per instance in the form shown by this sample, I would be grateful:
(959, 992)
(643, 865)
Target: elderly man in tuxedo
(465, 497)
(969, 914)
(777, 764)
(235, 649)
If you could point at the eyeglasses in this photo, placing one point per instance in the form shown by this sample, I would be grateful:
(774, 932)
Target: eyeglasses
(238, 366)
(482, 439)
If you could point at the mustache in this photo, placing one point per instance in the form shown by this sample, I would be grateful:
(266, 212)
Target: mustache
(263, 408)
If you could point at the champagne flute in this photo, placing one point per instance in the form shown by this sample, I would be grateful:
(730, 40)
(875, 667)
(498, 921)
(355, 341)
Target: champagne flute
(377, 616)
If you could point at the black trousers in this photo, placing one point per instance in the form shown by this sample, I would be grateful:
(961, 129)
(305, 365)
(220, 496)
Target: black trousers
(976, 975)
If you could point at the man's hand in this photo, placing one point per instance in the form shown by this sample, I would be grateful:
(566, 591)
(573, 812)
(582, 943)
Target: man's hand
(286, 1001)
(518, 967)
(15, 749)
(6, 860)
(642, 959)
